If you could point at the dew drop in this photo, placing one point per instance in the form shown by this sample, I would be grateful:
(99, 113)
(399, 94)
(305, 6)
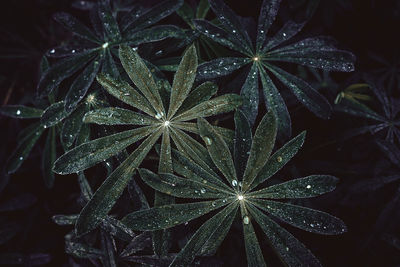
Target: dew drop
(105, 45)
(21, 158)
(207, 140)
(52, 51)
(203, 190)
(279, 159)
(287, 249)
(166, 123)
(308, 186)
(246, 220)
(312, 225)
(234, 183)
(73, 51)
(18, 112)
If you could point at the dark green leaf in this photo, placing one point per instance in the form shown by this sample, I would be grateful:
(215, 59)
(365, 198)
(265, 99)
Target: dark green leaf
(202, 9)
(291, 250)
(183, 80)
(74, 25)
(202, 93)
(231, 23)
(167, 216)
(242, 142)
(62, 70)
(304, 218)
(109, 23)
(310, 186)
(20, 112)
(72, 125)
(141, 77)
(221, 36)
(261, 148)
(307, 95)
(206, 234)
(81, 85)
(279, 159)
(118, 116)
(49, 156)
(108, 193)
(249, 93)
(269, 9)
(53, 114)
(23, 149)
(124, 92)
(217, 105)
(88, 154)
(218, 150)
(182, 187)
(275, 102)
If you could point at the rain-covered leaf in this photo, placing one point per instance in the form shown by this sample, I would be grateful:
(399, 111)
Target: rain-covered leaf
(21, 112)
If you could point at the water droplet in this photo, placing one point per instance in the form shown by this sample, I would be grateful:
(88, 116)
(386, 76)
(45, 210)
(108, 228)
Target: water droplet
(234, 183)
(159, 115)
(246, 220)
(240, 197)
(52, 51)
(233, 31)
(73, 51)
(166, 123)
(105, 45)
(308, 186)
(18, 112)
(287, 249)
(21, 158)
(207, 140)
(311, 224)
(186, 223)
(203, 190)
(279, 159)
(284, 34)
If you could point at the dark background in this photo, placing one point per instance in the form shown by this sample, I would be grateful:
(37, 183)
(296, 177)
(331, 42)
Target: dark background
(361, 26)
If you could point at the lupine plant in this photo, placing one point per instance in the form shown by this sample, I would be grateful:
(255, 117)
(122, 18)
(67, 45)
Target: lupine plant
(177, 149)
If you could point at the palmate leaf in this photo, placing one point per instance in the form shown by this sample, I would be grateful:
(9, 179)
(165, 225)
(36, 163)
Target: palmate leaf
(317, 52)
(203, 183)
(154, 125)
(107, 35)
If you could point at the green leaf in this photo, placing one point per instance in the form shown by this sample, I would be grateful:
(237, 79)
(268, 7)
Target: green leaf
(109, 23)
(81, 85)
(310, 186)
(249, 93)
(111, 189)
(231, 23)
(220, 67)
(124, 92)
(275, 102)
(65, 219)
(183, 80)
(291, 251)
(221, 36)
(285, 33)
(217, 105)
(261, 148)
(153, 15)
(304, 218)
(202, 93)
(109, 65)
(167, 216)
(192, 149)
(88, 154)
(62, 70)
(49, 156)
(72, 125)
(268, 12)
(242, 142)
(141, 76)
(218, 150)
(188, 168)
(118, 116)
(53, 114)
(253, 250)
(23, 149)
(74, 25)
(182, 187)
(279, 159)
(153, 34)
(307, 95)
(202, 9)
(20, 112)
(206, 234)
